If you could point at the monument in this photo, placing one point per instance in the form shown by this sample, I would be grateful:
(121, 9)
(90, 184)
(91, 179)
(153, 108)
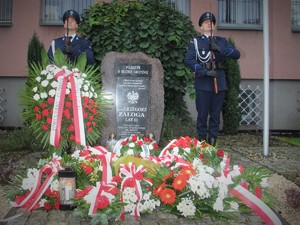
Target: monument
(133, 83)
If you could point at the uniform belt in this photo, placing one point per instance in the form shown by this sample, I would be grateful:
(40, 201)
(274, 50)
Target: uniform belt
(207, 66)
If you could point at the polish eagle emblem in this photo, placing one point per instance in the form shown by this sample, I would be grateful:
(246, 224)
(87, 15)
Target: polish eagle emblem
(132, 97)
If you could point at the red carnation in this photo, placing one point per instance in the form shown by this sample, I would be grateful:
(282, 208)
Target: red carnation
(50, 101)
(49, 120)
(36, 108)
(67, 113)
(45, 127)
(71, 127)
(68, 104)
(38, 116)
(43, 105)
(72, 137)
(90, 129)
(45, 112)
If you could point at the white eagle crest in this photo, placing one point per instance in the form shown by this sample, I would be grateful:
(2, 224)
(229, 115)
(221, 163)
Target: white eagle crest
(132, 97)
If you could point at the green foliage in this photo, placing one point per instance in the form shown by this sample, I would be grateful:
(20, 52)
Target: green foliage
(34, 50)
(153, 28)
(231, 115)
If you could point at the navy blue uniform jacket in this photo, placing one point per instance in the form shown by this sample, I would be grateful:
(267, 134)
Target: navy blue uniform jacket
(79, 44)
(195, 61)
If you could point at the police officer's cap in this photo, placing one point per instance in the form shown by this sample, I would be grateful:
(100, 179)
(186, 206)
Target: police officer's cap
(71, 13)
(207, 16)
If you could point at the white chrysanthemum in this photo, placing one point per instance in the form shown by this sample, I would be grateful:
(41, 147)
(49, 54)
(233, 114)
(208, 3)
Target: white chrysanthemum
(55, 185)
(131, 145)
(76, 154)
(30, 180)
(44, 72)
(129, 195)
(44, 95)
(95, 95)
(186, 207)
(45, 83)
(143, 155)
(36, 97)
(129, 207)
(130, 152)
(50, 76)
(201, 183)
(83, 75)
(54, 84)
(69, 85)
(92, 89)
(68, 91)
(91, 94)
(85, 94)
(34, 89)
(38, 79)
(85, 87)
(52, 93)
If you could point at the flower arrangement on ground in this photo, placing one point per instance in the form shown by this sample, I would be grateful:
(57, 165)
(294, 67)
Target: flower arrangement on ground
(188, 178)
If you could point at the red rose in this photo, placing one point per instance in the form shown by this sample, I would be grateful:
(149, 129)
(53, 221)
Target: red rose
(102, 202)
(134, 138)
(57, 205)
(85, 152)
(68, 104)
(47, 206)
(140, 143)
(85, 115)
(87, 169)
(258, 192)
(72, 137)
(201, 156)
(220, 153)
(90, 129)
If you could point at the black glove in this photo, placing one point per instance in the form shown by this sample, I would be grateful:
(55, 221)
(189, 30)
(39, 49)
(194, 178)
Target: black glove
(68, 49)
(211, 73)
(215, 47)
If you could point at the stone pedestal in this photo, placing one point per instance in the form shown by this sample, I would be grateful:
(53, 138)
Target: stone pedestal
(134, 84)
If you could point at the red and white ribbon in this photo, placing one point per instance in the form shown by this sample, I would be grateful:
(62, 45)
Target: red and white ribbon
(130, 172)
(258, 206)
(100, 190)
(38, 189)
(106, 158)
(63, 76)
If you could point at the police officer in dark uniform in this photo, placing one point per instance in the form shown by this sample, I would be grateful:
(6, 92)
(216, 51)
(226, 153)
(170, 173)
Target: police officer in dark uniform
(205, 57)
(71, 44)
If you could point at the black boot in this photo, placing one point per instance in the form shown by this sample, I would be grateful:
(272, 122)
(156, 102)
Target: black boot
(201, 139)
(212, 141)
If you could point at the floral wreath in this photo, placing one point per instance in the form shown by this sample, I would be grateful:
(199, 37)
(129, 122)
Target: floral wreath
(63, 103)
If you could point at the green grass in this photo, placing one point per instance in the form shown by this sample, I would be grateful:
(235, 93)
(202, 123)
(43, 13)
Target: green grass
(291, 140)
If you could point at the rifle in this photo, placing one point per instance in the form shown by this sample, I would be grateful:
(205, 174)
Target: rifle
(68, 47)
(212, 54)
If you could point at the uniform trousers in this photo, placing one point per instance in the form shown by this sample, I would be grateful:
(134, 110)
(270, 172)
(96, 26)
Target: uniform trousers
(209, 104)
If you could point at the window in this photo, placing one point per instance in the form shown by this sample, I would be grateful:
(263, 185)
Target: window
(179, 5)
(5, 12)
(53, 10)
(295, 11)
(240, 14)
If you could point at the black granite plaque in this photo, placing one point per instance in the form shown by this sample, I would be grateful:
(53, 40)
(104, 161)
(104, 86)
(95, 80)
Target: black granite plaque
(132, 94)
